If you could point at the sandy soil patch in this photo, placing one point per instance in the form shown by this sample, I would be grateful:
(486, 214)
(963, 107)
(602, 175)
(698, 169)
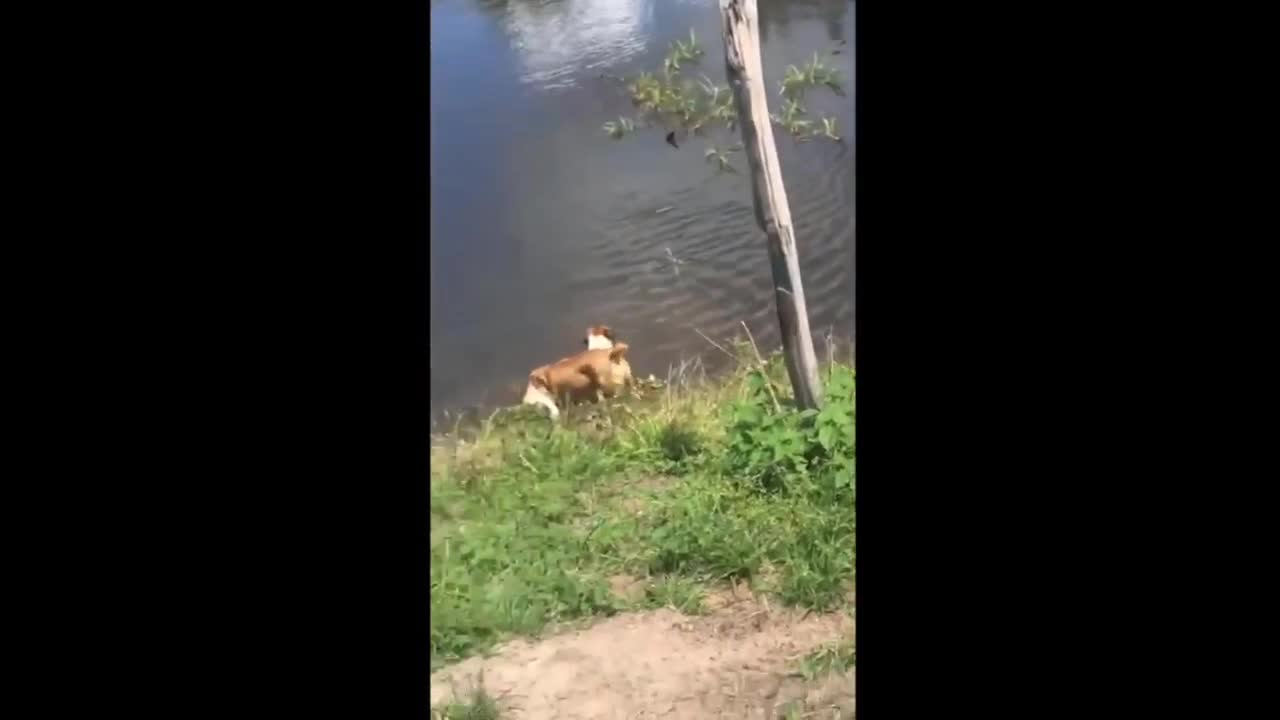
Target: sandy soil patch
(734, 662)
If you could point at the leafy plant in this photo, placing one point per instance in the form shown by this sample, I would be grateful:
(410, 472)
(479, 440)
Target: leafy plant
(721, 158)
(781, 450)
(792, 117)
(813, 74)
(621, 128)
(795, 84)
(664, 98)
(829, 129)
(681, 51)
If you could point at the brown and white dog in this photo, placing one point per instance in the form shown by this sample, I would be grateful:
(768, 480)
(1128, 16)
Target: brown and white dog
(601, 337)
(581, 378)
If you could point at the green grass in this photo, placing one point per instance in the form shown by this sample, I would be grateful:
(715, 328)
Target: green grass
(694, 483)
(676, 592)
(816, 668)
(828, 659)
(479, 705)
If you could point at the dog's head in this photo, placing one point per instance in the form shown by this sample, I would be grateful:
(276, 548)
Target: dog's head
(599, 337)
(539, 391)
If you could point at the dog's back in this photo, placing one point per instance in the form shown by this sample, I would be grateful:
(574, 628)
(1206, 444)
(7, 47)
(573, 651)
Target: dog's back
(580, 377)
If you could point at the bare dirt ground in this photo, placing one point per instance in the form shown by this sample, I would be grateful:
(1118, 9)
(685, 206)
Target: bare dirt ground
(737, 662)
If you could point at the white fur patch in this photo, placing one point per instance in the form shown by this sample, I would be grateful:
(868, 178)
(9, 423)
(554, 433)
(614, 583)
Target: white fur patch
(534, 395)
(598, 342)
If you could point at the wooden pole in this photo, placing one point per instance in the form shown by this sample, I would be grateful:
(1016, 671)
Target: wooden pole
(773, 214)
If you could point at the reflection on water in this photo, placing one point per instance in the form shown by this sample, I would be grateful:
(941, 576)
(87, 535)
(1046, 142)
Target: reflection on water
(542, 225)
(556, 40)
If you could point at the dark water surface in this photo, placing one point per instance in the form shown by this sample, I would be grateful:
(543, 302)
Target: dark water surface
(542, 225)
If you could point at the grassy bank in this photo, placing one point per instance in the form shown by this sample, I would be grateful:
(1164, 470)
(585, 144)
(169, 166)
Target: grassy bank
(642, 502)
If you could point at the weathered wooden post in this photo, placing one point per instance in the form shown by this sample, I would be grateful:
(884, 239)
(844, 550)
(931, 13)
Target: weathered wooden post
(773, 214)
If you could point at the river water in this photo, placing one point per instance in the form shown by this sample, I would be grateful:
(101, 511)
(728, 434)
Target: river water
(541, 224)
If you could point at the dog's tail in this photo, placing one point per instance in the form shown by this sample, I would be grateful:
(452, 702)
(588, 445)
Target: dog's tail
(617, 352)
